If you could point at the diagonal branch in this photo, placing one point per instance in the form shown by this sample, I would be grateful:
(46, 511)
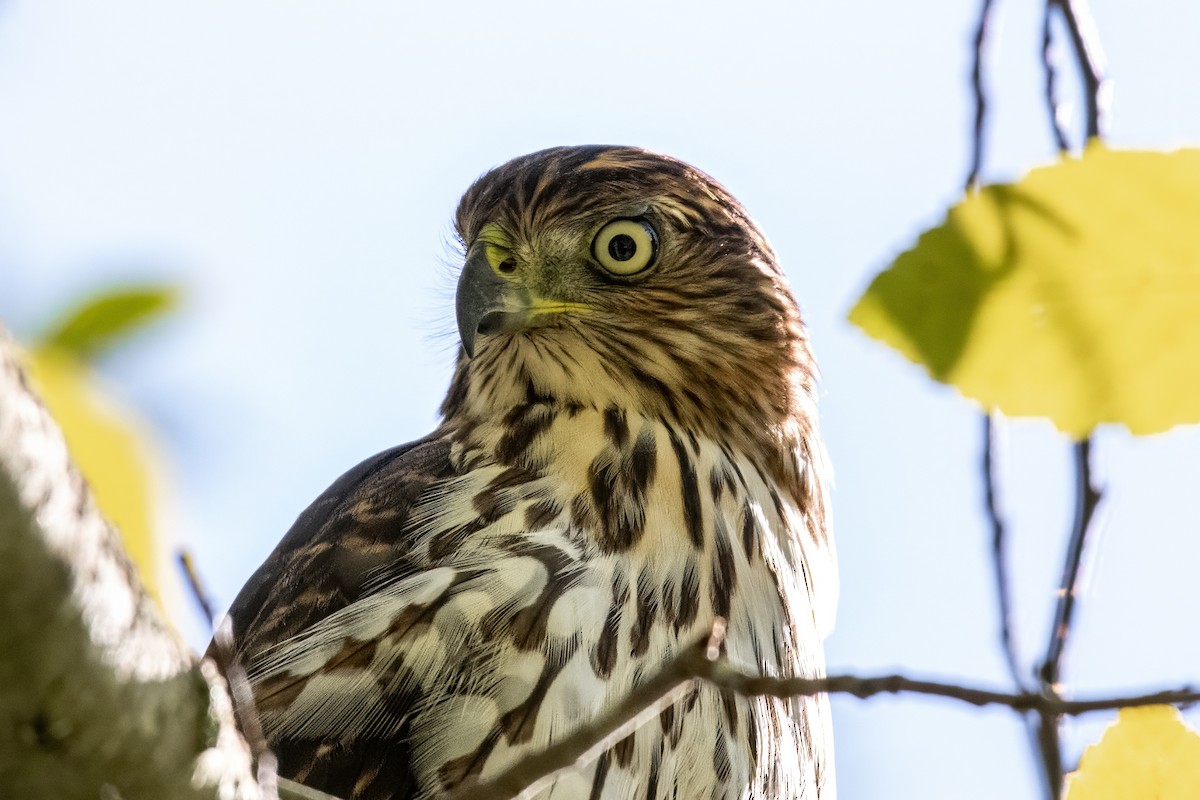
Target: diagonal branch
(200, 593)
(536, 771)
(701, 662)
(1050, 671)
(1085, 509)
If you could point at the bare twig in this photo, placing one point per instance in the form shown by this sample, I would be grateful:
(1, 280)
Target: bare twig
(196, 584)
(536, 771)
(980, 40)
(1086, 41)
(1052, 104)
(701, 662)
(1045, 728)
(1050, 671)
(990, 423)
(726, 677)
(1000, 550)
(1049, 747)
(1085, 509)
(1078, 21)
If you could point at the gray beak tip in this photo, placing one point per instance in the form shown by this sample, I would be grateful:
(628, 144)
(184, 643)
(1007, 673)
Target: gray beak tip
(480, 294)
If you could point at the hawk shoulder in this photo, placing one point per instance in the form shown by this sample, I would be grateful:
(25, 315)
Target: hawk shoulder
(325, 563)
(359, 525)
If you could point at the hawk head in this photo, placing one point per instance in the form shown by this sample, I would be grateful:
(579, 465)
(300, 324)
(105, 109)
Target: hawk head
(606, 276)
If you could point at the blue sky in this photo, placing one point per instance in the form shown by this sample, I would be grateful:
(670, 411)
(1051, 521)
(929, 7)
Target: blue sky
(294, 166)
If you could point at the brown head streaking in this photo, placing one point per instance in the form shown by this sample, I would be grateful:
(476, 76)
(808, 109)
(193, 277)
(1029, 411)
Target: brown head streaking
(628, 451)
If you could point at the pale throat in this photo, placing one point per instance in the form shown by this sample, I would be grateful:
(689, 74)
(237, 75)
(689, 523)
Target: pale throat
(533, 367)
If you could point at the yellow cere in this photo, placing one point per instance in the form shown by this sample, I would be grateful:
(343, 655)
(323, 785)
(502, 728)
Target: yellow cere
(539, 306)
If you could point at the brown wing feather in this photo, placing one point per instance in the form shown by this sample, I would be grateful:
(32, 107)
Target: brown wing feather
(324, 563)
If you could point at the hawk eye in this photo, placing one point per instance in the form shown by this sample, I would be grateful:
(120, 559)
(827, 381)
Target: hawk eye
(625, 246)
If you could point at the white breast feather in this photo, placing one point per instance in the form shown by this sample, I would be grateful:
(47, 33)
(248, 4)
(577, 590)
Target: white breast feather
(772, 630)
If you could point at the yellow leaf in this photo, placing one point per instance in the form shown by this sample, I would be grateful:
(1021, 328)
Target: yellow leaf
(1072, 294)
(106, 443)
(1147, 754)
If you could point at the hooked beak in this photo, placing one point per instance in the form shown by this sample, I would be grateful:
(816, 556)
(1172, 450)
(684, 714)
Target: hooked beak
(490, 302)
(487, 302)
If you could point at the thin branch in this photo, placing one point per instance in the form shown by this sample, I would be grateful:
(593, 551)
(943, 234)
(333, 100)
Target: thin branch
(701, 662)
(1086, 41)
(726, 677)
(1081, 27)
(536, 771)
(1053, 108)
(1086, 502)
(1049, 747)
(196, 584)
(1050, 671)
(1045, 728)
(990, 424)
(1000, 550)
(1087, 50)
(1079, 24)
(980, 41)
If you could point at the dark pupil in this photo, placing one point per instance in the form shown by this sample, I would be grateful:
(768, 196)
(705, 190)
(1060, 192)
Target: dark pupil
(622, 247)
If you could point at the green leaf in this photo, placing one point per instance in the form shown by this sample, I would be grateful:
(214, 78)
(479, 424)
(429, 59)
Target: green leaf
(1072, 294)
(101, 320)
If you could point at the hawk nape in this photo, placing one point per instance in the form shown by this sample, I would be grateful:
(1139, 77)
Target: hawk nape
(628, 450)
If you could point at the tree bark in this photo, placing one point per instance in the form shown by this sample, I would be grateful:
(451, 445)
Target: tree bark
(99, 698)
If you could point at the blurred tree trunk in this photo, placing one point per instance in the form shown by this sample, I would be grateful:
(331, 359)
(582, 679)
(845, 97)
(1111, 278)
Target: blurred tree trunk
(99, 698)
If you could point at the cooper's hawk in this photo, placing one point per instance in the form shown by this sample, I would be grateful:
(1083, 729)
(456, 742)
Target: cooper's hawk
(628, 450)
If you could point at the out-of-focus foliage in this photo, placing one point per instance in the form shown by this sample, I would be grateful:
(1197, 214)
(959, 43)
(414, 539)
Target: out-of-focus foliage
(1072, 294)
(107, 440)
(95, 325)
(1147, 754)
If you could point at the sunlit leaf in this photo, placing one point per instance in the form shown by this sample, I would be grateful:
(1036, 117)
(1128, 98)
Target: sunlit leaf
(1147, 754)
(101, 320)
(1072, 294)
